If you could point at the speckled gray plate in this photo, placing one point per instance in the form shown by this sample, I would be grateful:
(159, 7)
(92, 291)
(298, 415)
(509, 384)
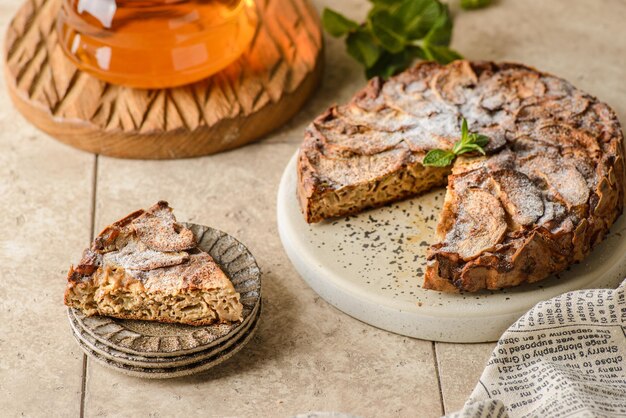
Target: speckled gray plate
(155, 362)
(371, 266)
(200, 366)
(153, 339)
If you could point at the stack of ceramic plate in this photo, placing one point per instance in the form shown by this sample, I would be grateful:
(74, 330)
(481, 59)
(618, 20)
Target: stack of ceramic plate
(155, 350)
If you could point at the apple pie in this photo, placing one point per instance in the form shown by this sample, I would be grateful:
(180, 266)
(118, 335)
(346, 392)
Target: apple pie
(147, 266)
(548, 190)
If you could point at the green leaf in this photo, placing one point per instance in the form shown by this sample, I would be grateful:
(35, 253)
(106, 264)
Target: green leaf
(464, 130)
(441, 54)
(480, 140)
(468, 148)
(387, 30)
(474, 4)
(383, 67)
(465, 139)
(439, 158)
(418, 16)
(386, 3)
(336, 24)
(469, 142)
(379, 7)
(390, 64)
(363, 48)
(440, 33)
(395, 33)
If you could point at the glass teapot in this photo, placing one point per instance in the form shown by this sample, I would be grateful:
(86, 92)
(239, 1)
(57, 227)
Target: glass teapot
(155, 43)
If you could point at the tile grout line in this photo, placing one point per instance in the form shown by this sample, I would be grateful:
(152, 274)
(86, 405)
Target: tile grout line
(438, 375)
(82, 387)
(92, 227)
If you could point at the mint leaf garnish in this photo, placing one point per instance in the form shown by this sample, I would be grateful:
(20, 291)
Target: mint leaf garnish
(439, 158)
(469, 142)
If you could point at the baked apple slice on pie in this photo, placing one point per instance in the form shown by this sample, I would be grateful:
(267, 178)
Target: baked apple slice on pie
(147, 266)
(548, 190)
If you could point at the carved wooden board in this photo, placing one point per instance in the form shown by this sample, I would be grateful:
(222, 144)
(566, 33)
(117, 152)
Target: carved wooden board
(256, 94)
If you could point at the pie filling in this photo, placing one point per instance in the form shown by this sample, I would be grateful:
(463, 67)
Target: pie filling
(193, 308)
(414, 180)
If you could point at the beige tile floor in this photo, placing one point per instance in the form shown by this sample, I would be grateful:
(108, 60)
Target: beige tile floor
(306, 355)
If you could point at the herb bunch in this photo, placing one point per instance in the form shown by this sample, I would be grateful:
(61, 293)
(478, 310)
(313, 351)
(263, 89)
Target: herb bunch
(395, 33)
(469, 142)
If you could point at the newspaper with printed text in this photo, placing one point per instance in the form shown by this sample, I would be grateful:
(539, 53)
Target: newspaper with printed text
(563, 358)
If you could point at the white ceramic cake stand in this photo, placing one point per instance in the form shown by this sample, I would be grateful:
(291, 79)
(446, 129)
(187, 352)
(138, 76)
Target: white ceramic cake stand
(371, 267)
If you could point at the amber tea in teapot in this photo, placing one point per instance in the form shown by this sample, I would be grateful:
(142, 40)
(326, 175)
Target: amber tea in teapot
(155, 43)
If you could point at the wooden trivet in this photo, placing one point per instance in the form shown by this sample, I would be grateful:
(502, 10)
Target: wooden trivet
(251, 97)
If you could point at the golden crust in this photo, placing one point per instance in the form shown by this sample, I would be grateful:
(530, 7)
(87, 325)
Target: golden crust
(127, 274)
(553, 179)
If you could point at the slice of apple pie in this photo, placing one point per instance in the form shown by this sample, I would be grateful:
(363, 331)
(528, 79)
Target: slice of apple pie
(147, 266)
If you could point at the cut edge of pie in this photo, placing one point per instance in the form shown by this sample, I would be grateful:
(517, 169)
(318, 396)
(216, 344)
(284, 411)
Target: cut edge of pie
(547, 192)
(398, 176)
(147, 266)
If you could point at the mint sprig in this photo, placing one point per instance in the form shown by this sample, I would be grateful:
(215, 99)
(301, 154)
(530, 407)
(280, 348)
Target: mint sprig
(395, 33)
(469, 142)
